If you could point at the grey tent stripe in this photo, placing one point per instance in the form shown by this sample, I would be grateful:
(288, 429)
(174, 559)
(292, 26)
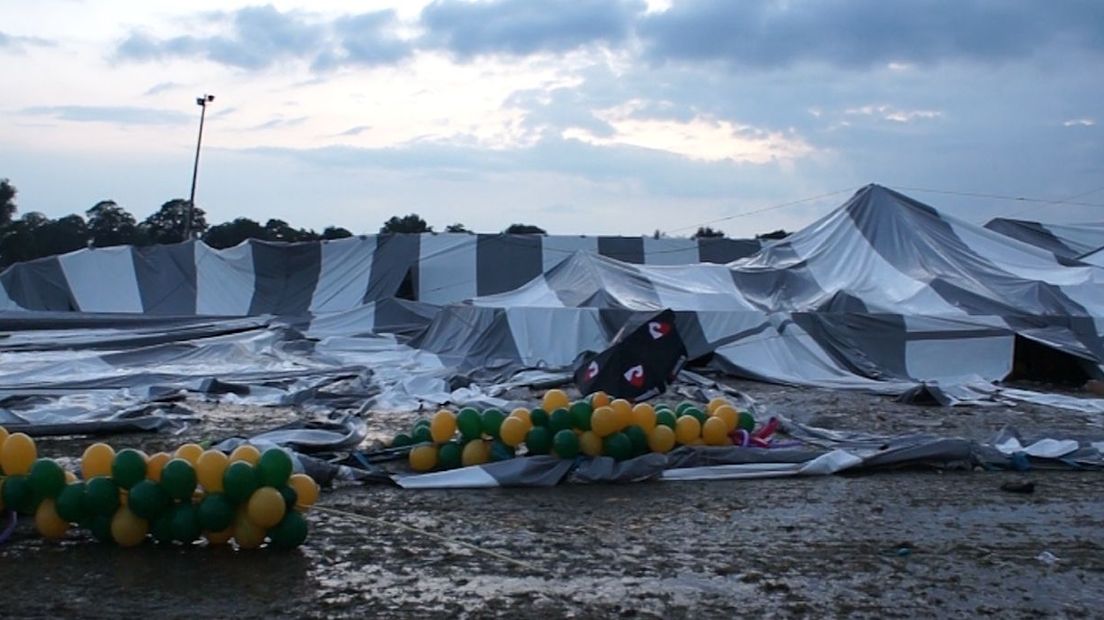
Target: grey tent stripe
(762, 287)
(166, 278)
(394, 268)
(1033, 233)
(285, 277)
(627, 249)
(722, 250)
(869, 345)
(39, 285)
(506, 262)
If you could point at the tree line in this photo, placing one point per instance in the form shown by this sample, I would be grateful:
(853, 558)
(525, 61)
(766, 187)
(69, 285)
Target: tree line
(105, 224)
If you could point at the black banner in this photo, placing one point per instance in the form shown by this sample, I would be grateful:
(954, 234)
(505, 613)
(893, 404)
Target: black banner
(643, 359)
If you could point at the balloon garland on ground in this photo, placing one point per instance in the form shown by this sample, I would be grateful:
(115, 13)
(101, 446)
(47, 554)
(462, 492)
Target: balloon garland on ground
(247, 497)
(593, 426)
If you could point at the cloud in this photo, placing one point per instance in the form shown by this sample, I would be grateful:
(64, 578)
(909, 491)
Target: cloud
(19, 43)
(355, 131)
(162, 87)
(866, 33)
(368, 39)
(522, 27)
(279, 122)
(256, 38)
(1079, 122)
(122, 115)
(890, 113)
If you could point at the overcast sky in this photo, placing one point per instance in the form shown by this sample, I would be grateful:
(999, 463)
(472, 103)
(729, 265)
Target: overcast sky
(580, 116)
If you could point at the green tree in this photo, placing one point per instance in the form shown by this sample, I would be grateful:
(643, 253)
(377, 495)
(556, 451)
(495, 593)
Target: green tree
(109, 224)
(406, 224)
(335, 232)
(705, 232)
(7, 202)
(167, 224)
(456, 228)
(524, 229)
(20, 241)
(62, 235)
(229, 234)
(774, 234)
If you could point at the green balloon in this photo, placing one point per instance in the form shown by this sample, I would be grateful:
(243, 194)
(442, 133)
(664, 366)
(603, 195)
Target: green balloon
(539, 417)
(215, 513)
(746, 421)
(697, 414)
(491, 421)
(291, 497)
(239, 481)
(161, 528)
(538, 440)
(274, 467)
(683, 406)
(47, 478)
(179, 479)
(290, 532)
(666, 418)
(617, 446)
(100, 527)
(148, 500)
(19, 495)
(101, 495)
(566, 444)
(581, 412)
(401, 441)
(448, 455)
(422, 434)
(184, 523)
(129, 468)
(559, 420)
(420, 423)
(501, 451)
(71, 503)
(470, 424)
(638, 438)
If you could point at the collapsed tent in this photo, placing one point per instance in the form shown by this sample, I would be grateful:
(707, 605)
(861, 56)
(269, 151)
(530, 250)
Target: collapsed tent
(884, 294)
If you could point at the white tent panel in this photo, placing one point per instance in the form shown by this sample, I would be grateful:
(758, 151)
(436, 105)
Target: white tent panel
(224, 280)
(556, 249)
(343, 278)
(696, 287)
(551, 337)
(103, 279)
(447, 268)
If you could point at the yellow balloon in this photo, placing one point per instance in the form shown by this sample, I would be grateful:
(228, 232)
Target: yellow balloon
(47, 521)
(189, 452)
(248, 535)
(17, 454)
(714, 403)
(555, 399)
(622, 411)
(443, 426)
(210, 467)
(476, 452)
(423, 458)
(599, 399)
(687, 429)
(603, 421)
(128, 529)
(156, 464)
(70, 477)
(643, 415)
(266, 507)
(306, 488)
(661, 439)
(715, 432)
(590, 443)
(3, 435)
(219, 538)
(522, 414)
(729, 415)
(512, 432)
(97, 460)
(246, 452)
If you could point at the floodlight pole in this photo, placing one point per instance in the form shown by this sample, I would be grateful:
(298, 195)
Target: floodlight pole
(202, 103)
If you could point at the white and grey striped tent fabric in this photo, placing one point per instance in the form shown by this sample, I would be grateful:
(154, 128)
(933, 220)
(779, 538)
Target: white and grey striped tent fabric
(884, 294)
(1069, 241)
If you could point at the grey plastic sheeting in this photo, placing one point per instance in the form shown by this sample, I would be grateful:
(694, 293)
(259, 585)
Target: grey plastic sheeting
(885, 294)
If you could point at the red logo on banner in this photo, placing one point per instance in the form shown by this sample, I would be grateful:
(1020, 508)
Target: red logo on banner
(592, 371)
(658, 330)
(635, 376)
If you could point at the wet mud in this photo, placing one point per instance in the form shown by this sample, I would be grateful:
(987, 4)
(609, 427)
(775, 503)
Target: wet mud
(890, 544)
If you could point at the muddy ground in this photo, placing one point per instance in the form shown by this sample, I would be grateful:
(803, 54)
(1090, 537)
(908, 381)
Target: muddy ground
(892, 544)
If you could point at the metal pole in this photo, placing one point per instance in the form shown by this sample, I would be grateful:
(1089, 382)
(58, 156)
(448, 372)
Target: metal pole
(195, 169)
